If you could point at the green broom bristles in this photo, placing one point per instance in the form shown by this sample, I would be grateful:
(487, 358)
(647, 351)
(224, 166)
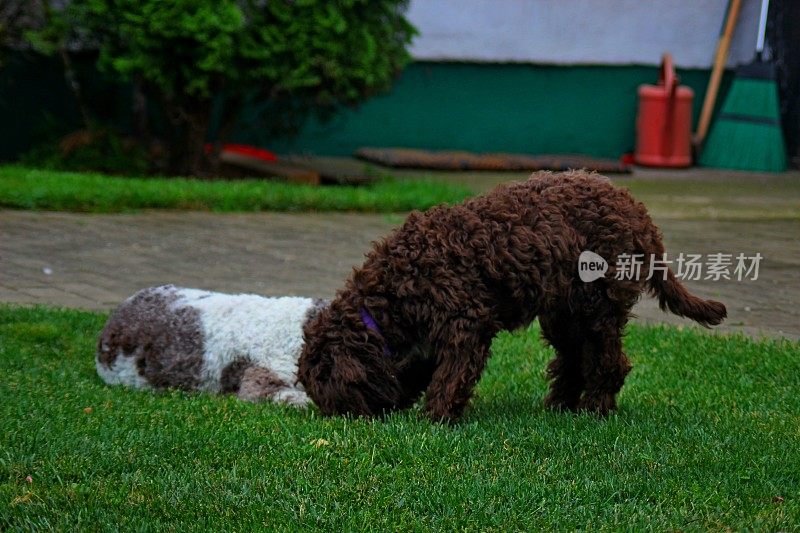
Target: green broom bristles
(747, 134)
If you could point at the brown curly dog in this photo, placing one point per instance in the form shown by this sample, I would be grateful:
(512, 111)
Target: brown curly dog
(420, 314)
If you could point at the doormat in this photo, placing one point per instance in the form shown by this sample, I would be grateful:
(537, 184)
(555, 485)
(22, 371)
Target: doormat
(457, 160)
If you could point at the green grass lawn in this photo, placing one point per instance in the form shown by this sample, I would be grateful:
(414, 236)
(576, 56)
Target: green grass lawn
(27, 188)
(707, 438)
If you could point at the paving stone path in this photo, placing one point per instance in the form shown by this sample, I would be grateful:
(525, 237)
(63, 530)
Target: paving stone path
(95, 261)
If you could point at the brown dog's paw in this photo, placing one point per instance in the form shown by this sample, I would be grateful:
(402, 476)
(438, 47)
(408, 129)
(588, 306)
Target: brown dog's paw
(443, 415)
(601, 404)
(561, 404)
(444, 419)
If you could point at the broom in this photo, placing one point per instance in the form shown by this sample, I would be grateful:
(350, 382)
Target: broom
(747, 134)
(720, 57)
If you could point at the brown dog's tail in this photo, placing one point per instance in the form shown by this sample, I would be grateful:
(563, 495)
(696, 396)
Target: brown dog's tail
(674, 296)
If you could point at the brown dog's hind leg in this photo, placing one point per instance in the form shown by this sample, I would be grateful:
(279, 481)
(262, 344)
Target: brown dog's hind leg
(461, 358)
(604, 364)
(562, 330)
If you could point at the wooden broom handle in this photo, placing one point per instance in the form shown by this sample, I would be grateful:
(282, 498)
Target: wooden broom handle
(716, 73)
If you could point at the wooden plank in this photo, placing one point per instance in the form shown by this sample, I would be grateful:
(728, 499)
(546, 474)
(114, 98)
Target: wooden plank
(291, 173)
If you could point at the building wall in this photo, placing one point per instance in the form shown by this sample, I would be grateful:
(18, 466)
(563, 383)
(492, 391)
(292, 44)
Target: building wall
(583, 32)
(491, 108)
(534, 76)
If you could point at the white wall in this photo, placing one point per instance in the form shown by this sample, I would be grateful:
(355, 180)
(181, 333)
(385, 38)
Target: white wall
(579, 31)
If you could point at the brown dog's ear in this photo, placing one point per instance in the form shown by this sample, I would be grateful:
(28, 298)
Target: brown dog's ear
(363, 384)
(348, 370)
(343, 368)
(343, 383)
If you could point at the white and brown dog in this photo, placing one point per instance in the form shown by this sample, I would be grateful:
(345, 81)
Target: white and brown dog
(191, 339)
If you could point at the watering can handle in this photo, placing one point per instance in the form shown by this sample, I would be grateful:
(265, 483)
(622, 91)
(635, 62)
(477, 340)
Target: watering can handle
(667, 76)
(670, 80)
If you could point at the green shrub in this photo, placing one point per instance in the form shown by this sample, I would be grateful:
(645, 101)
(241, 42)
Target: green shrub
(196, 58)
(101, 150)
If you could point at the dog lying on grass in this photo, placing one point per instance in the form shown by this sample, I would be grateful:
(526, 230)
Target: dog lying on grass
(196, 340)
(421, 312)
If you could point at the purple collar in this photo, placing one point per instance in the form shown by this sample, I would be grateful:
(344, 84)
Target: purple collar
(372, 325)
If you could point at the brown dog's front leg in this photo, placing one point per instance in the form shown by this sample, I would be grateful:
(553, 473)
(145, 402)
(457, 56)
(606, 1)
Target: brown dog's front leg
(460, 363)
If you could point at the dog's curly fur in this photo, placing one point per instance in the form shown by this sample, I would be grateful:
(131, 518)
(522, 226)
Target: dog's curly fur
(442, 285)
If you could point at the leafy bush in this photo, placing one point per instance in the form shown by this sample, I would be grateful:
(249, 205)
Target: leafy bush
(101, 150)
(189, 56)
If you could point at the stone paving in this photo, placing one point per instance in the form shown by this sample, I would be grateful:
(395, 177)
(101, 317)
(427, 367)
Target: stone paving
(94, 261)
